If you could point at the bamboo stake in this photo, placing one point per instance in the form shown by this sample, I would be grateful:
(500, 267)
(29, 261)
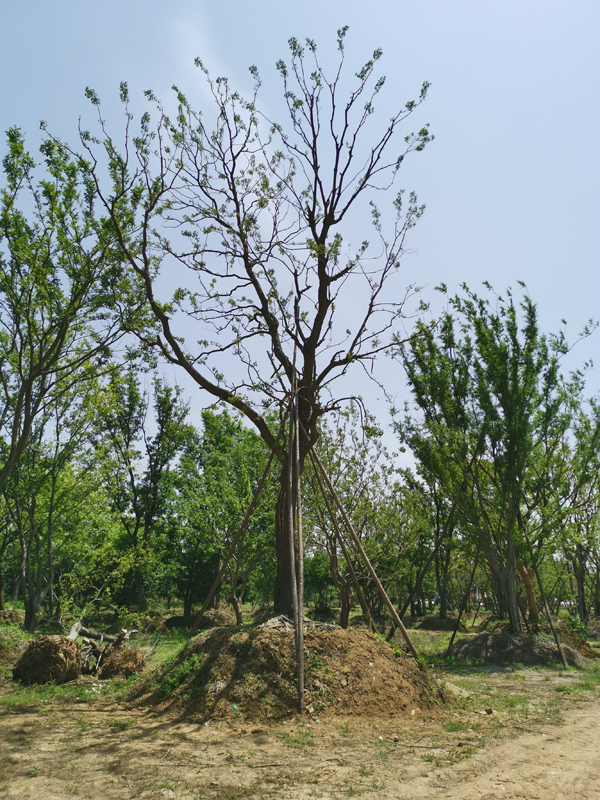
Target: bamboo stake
(232, 547)
(340, 538)
(365, 558)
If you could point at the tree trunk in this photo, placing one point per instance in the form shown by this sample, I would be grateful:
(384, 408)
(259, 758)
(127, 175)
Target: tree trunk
(187, 606)
(528, 577)
(443, 590)
(597, 593)
(345, 605)
(579, 568)
(237, 607)
(1, 590)
(16, 589)
(283, 595)
(139, 588)
(32, 613)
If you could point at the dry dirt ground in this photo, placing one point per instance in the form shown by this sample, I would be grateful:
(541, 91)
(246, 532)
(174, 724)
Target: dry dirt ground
(111, 751)
(379, 726)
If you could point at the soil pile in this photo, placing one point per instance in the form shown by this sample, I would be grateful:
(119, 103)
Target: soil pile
(49, 658)
(502, 648)
(122, 663)
(565, 635)
(229, 673)
(12, 616)
(438, 624)
(215, 618)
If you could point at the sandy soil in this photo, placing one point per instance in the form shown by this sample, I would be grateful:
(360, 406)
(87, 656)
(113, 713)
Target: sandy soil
(107, 751)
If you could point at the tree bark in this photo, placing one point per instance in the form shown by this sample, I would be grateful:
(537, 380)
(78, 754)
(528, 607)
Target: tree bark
(528, 577)
(345, 605)
(283, 593)
(139, 589)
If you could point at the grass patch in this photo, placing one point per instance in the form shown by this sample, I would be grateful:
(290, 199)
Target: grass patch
(122, 724)
(179, 674)
(299, 738)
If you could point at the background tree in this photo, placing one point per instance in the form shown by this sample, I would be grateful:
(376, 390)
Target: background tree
(139, 465)
(57, 263)
(215, 484)
(491, 401)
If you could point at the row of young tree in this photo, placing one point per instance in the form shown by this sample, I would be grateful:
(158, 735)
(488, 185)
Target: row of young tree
(220, 250)
(118, 498)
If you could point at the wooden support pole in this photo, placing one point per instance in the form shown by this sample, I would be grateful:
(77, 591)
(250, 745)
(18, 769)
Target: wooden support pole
(299, 562)
(232, 547)
(365, 558)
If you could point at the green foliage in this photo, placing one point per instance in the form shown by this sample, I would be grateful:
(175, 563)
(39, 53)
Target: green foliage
(493, 416)
(177, 675)
(577, 627)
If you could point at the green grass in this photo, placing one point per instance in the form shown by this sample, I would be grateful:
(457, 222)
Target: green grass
(452, 727)
(299, 738)
(122, 724)
(177, 675)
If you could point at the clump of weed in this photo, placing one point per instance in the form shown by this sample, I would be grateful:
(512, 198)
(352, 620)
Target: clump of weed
(180, 673)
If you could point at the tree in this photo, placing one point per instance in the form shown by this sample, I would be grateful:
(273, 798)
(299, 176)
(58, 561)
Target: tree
(214, 487)
(56, 268)
(44, 488)
(139, 467)
(493, 413)
(254, 213)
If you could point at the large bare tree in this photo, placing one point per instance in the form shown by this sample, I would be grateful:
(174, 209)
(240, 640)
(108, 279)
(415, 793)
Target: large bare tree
(254, 223)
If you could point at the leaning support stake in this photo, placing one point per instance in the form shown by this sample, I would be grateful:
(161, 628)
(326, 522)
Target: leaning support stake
(231, 550)
(545, 601)
(365, 558)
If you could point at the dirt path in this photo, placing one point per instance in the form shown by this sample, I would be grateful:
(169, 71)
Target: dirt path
(110, 752)
(559, 762)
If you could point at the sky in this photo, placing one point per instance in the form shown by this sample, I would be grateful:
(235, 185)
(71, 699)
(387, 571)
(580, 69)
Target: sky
(511, 182)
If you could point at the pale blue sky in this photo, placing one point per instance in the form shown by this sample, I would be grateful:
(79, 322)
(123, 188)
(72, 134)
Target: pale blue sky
(512, 182)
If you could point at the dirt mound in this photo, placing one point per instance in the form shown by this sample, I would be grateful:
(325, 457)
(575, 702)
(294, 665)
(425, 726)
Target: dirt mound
(12, 646)
(565, 635)
(502, 648)
(438, 624)
(122, 663)
(227, 673)
(216, 618)
(49, 658)
(12, 616)
(382, 623)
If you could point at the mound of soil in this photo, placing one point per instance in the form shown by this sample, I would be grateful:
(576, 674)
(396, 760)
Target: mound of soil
(359, 621)
(503, 648)
(438, 624)
(565, 635)
(49, 658)
(216, 618)
(227, 673)
(12, 616)
(10, 651)
(122, 663)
